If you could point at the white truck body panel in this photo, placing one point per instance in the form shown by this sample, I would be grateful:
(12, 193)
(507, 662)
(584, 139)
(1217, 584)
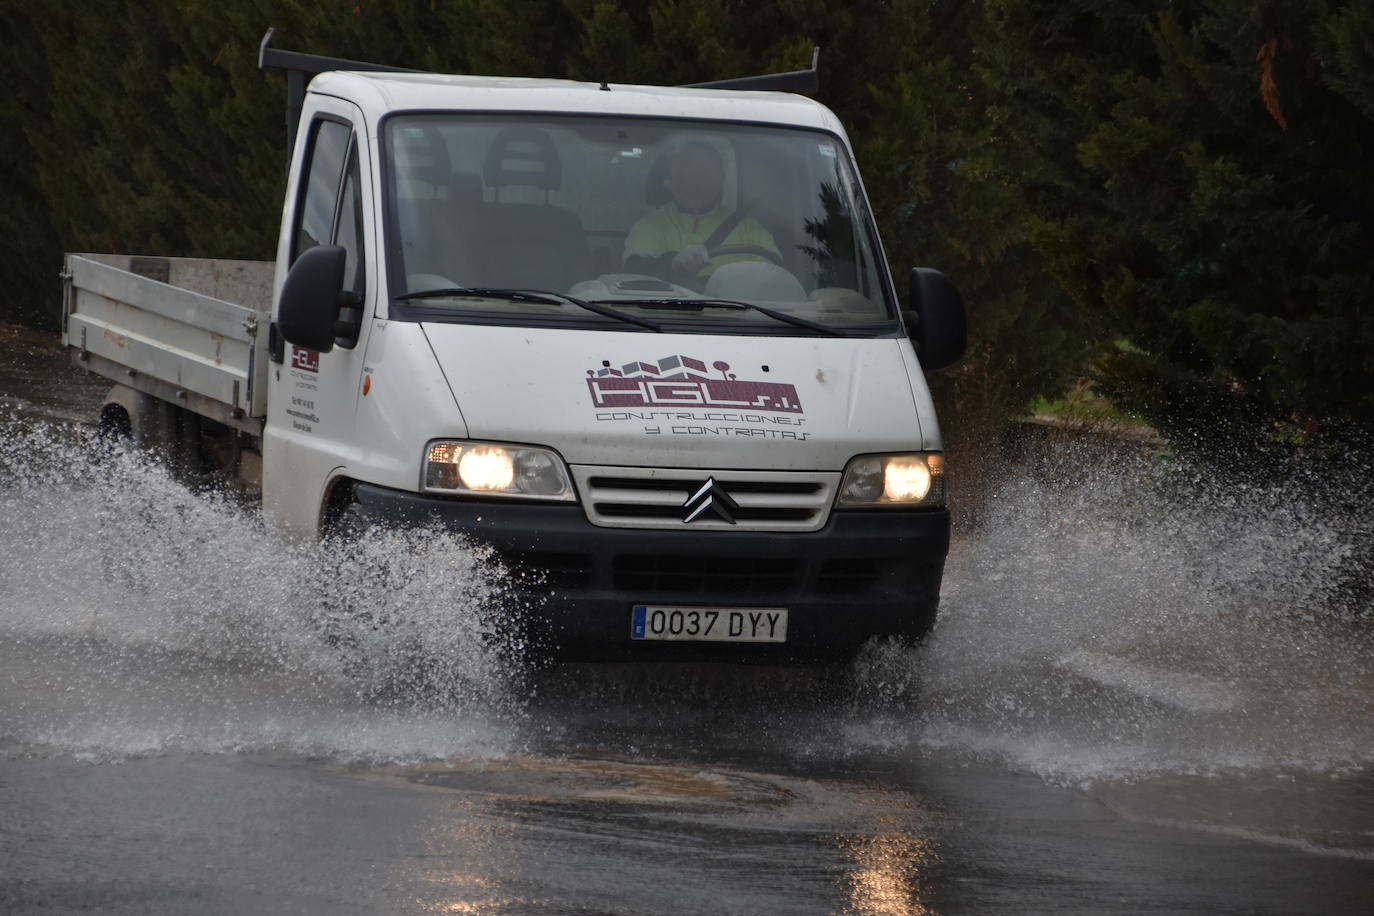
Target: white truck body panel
(321, 425)
(818, 402)
(311, 434)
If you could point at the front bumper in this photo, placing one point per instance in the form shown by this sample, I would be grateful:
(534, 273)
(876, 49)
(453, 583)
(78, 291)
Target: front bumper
(865, 574)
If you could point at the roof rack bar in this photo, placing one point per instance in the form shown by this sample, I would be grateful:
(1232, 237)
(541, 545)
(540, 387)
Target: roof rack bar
(298, 66)
(803, 81)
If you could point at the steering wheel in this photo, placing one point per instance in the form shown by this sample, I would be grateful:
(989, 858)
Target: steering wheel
(767, 254)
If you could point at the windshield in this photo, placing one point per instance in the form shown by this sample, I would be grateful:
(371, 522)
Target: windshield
(653, 218)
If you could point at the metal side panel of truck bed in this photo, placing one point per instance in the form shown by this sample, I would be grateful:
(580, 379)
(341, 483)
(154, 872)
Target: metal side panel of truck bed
(186, 330)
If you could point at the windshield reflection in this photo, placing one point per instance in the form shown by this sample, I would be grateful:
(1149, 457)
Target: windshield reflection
(632, 211)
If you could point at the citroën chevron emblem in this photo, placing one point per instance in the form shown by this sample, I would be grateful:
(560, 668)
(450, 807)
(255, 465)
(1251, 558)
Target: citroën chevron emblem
(710, 498)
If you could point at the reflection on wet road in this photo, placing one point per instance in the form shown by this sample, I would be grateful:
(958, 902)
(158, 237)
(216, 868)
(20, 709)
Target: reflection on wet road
(600, 833)
(1143, 697)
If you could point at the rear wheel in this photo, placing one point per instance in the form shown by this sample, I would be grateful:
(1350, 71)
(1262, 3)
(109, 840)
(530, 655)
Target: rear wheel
(114, 424)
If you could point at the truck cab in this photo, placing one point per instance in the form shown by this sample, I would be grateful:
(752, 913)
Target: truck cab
(640, 341)
(486, 319)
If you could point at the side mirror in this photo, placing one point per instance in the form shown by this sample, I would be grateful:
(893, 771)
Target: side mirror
(936, 321)
(309, 304)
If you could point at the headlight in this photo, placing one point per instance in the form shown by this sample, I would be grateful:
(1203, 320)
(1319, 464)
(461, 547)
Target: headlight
(489, 469)
(912, 480)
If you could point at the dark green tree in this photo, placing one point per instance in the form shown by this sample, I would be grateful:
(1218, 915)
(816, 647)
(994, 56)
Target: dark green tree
(1197, 174)
(30, 257)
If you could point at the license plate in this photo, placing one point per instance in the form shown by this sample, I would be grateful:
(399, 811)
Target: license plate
(709, 624)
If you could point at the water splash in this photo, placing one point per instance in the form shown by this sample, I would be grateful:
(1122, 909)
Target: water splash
(1139, 618)
(1147, 617)
(138, 616)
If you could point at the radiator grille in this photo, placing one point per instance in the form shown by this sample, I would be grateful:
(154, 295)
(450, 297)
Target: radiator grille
(658, 497)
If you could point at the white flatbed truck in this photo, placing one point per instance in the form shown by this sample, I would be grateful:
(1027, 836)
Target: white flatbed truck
(476, 316)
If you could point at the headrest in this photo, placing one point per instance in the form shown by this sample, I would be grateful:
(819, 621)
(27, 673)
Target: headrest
(523, 156)
(420, 154)
(656, 185)
(656, 190)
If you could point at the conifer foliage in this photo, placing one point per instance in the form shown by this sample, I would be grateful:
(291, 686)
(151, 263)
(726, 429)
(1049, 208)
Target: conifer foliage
(1201, 179)
(1175, 197)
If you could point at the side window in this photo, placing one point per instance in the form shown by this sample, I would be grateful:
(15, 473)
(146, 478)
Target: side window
(348, 232)
(330, 211)
(315, 216)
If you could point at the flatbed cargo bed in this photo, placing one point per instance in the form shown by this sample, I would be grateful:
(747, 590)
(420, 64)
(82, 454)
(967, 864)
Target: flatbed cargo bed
(185, 330)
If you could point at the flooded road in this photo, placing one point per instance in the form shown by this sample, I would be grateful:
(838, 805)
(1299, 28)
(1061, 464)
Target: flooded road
(1147, 694)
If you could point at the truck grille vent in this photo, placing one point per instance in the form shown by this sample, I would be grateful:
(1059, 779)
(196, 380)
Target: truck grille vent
(656, 498)
(654, 575)
(686, 577)
(547, 570)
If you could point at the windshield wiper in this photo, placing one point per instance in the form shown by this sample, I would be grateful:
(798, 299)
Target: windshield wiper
(696, 305)
(529, 295)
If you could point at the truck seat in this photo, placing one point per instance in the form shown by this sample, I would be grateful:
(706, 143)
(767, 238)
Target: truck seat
(529, 245)
(458, 229)
(440, 225)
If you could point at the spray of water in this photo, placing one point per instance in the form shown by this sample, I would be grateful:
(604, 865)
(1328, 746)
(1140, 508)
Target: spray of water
(1136, 617)
(1142, 615)
(138, 616)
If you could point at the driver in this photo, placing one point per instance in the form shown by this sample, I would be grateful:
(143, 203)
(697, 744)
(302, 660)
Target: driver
(671, 241)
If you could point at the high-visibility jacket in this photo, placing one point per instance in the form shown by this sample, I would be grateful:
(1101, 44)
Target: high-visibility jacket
(668, 229)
